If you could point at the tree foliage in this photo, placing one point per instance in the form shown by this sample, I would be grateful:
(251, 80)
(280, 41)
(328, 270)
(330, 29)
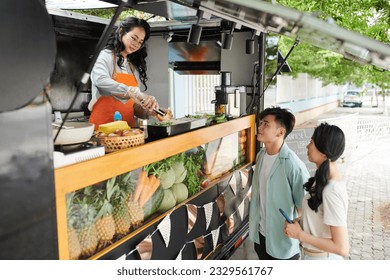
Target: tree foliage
(367, 17)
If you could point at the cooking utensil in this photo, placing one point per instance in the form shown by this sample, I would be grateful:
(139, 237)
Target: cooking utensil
(158, 111)
(73, 133)
(172, 127)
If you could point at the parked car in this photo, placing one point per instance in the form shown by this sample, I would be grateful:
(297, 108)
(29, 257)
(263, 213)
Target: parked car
(353, 98)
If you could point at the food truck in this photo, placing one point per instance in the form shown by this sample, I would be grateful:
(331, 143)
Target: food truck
(180, 193)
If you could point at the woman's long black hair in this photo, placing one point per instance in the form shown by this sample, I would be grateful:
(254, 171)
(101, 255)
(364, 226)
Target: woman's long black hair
(329, 140)
(137, 58)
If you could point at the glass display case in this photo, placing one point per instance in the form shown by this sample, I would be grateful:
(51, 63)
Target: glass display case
(97, 217)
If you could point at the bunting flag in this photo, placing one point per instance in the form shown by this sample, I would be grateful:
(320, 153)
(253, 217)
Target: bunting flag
(241, 209)
(192, 215)
(244, 177)
(122, 258)
(221, 203)
(230, 224)
(145, 248)
(199, 245)
(179, 256)
(165, 229)
(248, 194)
(208, 212)
(233, 183)
(215, 235)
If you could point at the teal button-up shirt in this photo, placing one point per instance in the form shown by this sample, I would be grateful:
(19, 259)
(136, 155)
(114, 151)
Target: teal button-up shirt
(284, 189)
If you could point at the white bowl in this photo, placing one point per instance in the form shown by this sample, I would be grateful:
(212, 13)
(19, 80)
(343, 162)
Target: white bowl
(77, 132)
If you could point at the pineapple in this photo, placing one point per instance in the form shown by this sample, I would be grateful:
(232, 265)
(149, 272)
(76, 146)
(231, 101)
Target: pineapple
(88, 239)
(105, 227)
(120, 213)
(85, 223)
(105, 223)
(121, 216)
(74, 246)
(136, 213)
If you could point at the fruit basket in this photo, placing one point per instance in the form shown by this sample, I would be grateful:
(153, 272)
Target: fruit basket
(114, 142)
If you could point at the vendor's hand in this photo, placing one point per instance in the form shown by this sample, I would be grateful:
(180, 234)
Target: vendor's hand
(149, 103)
(292, 230)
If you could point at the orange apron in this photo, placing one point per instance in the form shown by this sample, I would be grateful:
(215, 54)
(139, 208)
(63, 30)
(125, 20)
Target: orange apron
(104, 109)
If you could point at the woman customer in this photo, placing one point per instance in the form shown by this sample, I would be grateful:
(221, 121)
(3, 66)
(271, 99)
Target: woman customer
(117, 74)
(322, 229)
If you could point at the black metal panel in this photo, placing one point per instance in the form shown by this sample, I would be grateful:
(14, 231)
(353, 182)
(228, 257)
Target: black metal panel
(179, 235)
(28, 228)
(27, 52)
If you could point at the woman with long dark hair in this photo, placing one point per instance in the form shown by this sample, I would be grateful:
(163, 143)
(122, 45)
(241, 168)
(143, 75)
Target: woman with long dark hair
(118, 73)
(324, 233)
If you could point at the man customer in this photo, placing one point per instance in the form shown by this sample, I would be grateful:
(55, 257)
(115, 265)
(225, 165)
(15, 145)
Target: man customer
(277, 182)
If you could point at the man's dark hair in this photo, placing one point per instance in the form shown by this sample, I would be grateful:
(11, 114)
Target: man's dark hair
(283, 116)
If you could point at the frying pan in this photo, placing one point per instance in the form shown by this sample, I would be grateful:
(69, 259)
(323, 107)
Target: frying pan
(28, 50)
(73, 133)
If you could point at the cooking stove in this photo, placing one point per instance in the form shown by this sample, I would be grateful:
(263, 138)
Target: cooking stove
(70, 154)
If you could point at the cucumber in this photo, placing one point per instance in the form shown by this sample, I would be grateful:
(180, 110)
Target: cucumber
(151, 206)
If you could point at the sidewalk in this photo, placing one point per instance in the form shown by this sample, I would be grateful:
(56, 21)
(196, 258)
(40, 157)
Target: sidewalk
(368, 180)
(367, 174)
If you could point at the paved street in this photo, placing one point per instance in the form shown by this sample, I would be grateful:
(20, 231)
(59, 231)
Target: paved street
(366, 171)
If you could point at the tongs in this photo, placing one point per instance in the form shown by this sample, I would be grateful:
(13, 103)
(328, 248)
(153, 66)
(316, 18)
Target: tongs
(158, 111)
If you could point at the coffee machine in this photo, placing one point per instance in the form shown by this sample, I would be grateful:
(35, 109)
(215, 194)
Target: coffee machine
(230, 100)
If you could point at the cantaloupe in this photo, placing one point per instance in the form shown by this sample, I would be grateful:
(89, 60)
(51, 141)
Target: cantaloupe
(180, 192)
(167, 178)
(180, 171)
(168, 201)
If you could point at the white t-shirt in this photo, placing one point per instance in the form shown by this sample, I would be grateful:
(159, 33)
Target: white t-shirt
(332, 212)
(268, 161)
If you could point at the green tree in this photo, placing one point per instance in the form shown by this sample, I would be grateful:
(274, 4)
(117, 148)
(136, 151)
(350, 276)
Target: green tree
(367, 17)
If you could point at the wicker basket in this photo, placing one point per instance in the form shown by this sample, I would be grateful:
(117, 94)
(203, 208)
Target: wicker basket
(116, 143)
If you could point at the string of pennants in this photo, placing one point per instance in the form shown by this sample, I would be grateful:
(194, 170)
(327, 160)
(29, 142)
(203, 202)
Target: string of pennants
(144, 248)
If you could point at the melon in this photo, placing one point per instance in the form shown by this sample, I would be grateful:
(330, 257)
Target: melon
(167, 202)
(180, 192)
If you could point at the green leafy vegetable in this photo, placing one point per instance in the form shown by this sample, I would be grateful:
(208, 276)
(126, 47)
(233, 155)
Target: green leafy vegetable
(167, 123)
(193, 164)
